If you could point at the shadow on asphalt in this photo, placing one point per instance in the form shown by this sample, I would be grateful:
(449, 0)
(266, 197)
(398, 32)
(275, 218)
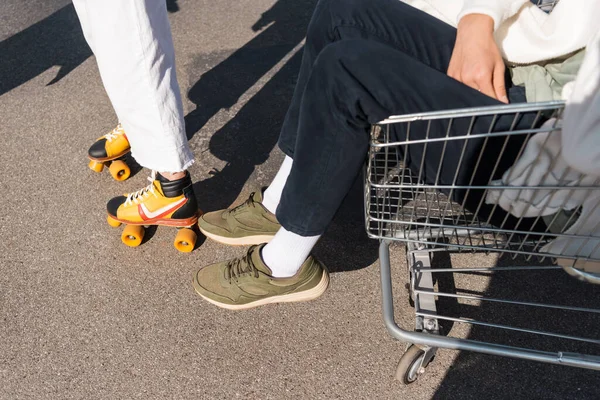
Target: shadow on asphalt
(345, 245)
(476, 376)
(221, 87)
(172, 6)
(247, 140)
(244, 142)
(57, 40)
(54, 41)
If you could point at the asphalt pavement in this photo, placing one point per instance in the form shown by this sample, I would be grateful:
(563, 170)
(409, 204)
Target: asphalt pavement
(84, 317)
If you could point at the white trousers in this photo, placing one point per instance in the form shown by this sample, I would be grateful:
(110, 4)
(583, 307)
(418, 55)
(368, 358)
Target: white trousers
(132, 42)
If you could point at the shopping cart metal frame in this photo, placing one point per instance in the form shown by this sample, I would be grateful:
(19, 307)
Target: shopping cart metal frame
(461, 232)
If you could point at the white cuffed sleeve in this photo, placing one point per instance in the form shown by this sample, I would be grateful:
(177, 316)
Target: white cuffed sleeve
(499, 10)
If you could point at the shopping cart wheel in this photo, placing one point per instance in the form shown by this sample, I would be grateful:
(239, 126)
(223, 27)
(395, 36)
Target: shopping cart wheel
(410, 365)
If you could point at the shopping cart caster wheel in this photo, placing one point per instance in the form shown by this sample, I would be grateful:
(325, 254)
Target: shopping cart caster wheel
(410, 365)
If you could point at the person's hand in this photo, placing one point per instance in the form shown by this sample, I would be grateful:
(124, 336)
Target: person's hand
(476, 60)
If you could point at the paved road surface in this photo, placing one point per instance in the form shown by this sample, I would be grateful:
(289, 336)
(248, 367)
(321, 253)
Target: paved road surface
(82, 316)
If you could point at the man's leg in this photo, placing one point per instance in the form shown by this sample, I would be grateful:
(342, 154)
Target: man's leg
(353, 84)
(388, 22)
(134, 50)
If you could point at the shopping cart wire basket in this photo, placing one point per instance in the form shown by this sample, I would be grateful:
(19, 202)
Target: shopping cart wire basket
(430, 179)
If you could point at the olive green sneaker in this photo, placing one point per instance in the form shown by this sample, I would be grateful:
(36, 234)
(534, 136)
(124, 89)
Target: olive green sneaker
(246, 282)
(249, 223)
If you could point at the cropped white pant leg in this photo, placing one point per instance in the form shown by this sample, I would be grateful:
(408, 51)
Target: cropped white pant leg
(132, 42)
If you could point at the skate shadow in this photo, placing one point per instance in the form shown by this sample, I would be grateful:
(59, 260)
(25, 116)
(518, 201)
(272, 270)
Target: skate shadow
(474, 375)
(134, 167)
(151, 230)
(56, 40)
(149, 233)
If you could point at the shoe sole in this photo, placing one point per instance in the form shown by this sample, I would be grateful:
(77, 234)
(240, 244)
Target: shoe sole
(177, 223)
(305, 295)
(243, 241)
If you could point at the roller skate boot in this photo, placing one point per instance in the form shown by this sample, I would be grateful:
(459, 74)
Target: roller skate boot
(109, 151)
(163, 202)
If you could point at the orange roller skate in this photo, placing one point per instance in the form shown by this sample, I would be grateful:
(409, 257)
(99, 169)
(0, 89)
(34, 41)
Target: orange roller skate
(163, 202)
(109, 151)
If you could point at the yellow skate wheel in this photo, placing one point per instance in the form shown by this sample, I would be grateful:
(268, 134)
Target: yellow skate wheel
(119, 170)
(133, 235)
(112, 222)
(185, 240)
(96, 166)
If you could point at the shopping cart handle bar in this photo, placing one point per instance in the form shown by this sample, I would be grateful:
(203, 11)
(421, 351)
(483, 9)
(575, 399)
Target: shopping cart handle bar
(422, 186)
(476, 111)
(470, 136)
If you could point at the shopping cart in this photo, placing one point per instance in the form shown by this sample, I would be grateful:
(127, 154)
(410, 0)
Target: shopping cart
(428, 178)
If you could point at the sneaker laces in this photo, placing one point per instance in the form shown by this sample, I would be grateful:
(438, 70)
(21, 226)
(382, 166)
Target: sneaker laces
(249, 202)
(143, 193)
(240, 266)
(118, 131)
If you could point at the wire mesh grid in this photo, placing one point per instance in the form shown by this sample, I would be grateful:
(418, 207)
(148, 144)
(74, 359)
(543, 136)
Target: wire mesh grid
(525, 312)
(429, 176)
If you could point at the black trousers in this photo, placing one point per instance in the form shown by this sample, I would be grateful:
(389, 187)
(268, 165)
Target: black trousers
(363, 61)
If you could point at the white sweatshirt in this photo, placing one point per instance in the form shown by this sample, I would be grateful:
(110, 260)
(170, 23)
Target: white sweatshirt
(525, 34)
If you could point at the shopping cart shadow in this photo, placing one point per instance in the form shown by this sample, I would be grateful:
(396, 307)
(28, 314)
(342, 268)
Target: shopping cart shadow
(473, 374)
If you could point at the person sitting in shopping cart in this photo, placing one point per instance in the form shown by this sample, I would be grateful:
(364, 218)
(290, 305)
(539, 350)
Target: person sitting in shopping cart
(364, 61)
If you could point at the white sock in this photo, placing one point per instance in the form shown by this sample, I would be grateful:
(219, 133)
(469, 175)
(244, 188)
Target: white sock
(287, 251)
(272, 195)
